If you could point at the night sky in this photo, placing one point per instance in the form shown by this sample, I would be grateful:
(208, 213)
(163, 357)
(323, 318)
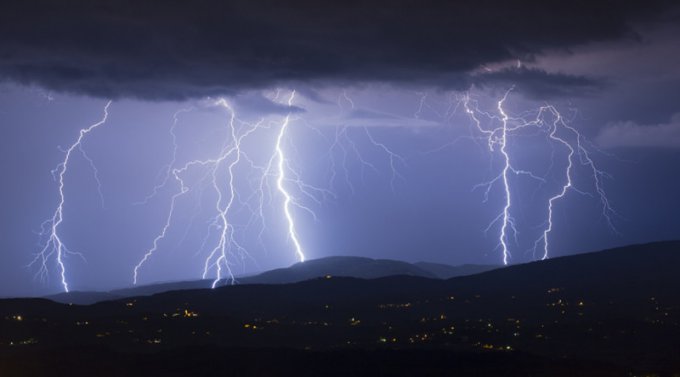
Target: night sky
(378, 147)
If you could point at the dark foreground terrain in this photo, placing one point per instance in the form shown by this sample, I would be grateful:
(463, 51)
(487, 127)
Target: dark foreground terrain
(266, 362)
(611, 313)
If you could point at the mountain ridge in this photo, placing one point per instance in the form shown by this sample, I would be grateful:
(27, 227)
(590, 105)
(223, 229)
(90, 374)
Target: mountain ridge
(619, 307)
(338, 266)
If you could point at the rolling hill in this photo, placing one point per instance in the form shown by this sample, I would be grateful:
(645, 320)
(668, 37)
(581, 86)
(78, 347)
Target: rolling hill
(345, 266)
(609, 313)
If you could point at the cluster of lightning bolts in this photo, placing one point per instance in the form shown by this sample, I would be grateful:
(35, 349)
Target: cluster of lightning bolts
(278, 177)
(229, 157)
(558, 130)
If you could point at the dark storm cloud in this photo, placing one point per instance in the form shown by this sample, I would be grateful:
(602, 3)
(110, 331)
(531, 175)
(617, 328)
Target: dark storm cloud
(539, 84)
(257, 103)
(630, 134)
(177, 49)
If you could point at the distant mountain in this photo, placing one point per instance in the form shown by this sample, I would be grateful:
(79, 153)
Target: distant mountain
(628, 269)
(151, 289)
(339, 266)
(630, 266)
(445, 271)
(83, 298)
(355, 267)
(91, 297)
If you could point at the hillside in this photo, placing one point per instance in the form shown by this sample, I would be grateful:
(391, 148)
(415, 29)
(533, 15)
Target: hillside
(616, 312)
(345, 266)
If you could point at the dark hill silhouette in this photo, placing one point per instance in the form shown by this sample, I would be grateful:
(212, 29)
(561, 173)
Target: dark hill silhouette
(644, 266)
(85, 297)
(147, 290)
(445, 271)
(339, 266)
(91, 297)
(618, 309)
(356, 267)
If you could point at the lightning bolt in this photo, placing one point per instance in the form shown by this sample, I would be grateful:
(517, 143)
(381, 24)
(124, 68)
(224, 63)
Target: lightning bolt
(50, 228)
(226, 235)
(168, 221)
(584, 157)
(279, 166)
(497, 140)
(507, 220)
(565, 187)
(170, 170)
(288, 201)
(218, 255)
(286, 175)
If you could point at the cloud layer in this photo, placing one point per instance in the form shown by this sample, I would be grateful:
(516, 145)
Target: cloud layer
(177, 49)
(631, 134)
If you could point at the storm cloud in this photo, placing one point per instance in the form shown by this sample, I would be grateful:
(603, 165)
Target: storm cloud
(179, 49)
(540, 84)
(631, 134)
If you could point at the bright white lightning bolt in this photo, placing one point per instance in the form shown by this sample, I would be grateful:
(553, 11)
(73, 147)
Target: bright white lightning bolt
(506, 187)
(565, 187)
(285, 176)
(585, 158)
(288, 201)
(50, 228)
(497, 139)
